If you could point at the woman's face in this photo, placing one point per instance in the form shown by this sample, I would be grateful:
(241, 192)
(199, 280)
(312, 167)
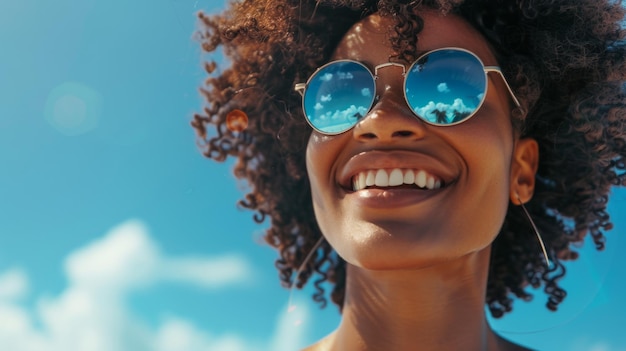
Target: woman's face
(403, 226)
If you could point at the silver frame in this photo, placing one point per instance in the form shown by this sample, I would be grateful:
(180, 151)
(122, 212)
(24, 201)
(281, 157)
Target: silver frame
(301, 87)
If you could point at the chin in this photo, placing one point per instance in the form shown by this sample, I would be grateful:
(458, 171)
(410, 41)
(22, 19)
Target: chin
(401, 245)
(380, 250)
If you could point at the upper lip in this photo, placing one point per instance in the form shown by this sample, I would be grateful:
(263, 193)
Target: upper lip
(390, 159)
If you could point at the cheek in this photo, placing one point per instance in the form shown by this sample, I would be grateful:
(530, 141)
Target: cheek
(487, 149)
(320, 154)
(319, 166)
(316, 164)
(314, 169)
(488, 138)
(485, 145)
(492, 161)
(323, 155)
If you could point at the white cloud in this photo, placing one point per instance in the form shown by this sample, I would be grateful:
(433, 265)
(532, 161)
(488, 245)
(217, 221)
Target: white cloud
(318, 106)
(13, 320)
(366, 92)
(340, 119)
(208, 273)
(105, 262)
(326, 77)
(177, 334)
(345, 75)
(443, 88)
(349, 113)
(13, 284)
(585, 344)
(326, 98)
(427, 111)
(91, 312)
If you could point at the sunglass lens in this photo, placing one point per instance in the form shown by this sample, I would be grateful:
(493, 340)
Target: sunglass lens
(338, 95)
(446, 86)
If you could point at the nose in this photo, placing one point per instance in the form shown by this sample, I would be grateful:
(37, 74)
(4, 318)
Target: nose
(390, 119)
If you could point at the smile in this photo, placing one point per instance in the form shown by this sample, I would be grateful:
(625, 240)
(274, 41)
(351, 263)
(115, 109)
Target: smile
(394, 178)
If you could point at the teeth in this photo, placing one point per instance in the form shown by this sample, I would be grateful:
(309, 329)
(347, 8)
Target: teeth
(382, 179)
(370, 179)
(395, 177)
(409, 177)
(430, 182)
(361, 177)
(420, 179)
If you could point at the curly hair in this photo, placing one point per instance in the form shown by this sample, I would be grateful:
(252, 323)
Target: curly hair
(565, 60)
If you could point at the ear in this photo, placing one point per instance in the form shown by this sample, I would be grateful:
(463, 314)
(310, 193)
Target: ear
(523, 169)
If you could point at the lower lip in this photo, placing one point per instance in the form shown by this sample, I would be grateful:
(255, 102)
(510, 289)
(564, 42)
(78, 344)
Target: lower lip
(391, 198)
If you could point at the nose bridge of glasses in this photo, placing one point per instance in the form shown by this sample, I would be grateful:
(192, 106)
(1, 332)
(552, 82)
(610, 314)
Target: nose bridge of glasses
(389, 64)
(390, 79)
(383, 116)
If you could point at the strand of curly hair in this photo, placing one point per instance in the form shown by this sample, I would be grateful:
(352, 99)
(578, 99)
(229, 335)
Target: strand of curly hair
(563, 58)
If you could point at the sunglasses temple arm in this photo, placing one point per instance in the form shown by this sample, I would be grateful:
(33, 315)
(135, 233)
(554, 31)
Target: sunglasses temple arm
(300, 88)
(497, 70)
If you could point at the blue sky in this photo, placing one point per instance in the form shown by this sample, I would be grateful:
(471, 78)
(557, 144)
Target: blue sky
(116, 234)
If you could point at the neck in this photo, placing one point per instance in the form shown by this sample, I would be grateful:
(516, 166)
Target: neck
(435, 308)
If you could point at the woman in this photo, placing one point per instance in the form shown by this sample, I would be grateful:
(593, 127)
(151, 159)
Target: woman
(421, 128)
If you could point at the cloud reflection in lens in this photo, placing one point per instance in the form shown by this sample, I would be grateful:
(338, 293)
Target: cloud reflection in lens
(446, 86)
(338, 95)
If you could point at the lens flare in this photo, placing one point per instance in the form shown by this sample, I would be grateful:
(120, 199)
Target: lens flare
(236, 121)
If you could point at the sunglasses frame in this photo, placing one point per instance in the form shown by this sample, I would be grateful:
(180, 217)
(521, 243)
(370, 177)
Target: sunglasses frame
(301, 87)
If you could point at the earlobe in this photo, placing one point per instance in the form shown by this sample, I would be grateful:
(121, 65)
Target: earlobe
(524, 166)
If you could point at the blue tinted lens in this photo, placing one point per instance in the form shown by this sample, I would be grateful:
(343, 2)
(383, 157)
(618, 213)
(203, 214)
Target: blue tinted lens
(446, 86)
(338, 95)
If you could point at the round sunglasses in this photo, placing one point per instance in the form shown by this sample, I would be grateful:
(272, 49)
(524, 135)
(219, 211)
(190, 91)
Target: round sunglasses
(443, 87)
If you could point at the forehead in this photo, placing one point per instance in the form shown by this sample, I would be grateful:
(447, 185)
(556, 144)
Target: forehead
(368, 40)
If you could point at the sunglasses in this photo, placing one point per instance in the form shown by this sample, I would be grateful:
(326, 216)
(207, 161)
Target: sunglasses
(443, 87)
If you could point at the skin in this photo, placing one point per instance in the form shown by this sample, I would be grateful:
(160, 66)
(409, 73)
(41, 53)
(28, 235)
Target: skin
(417, 271)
